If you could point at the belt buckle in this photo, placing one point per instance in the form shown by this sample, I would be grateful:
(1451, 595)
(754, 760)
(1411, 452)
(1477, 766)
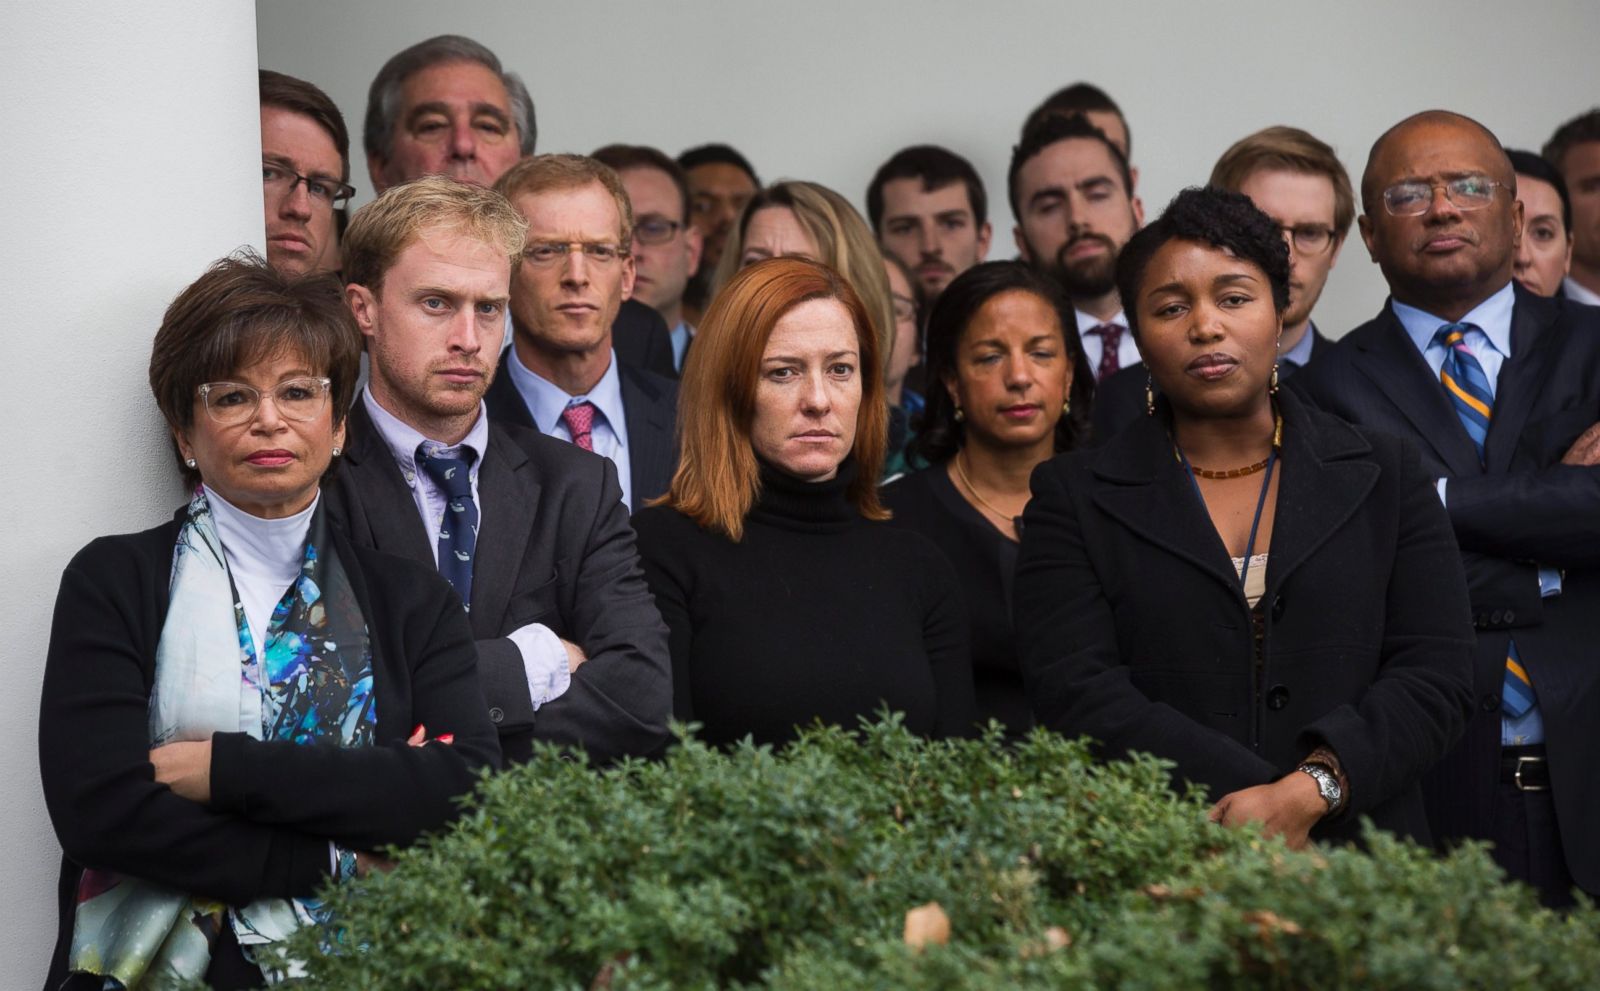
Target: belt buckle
(1516, 777)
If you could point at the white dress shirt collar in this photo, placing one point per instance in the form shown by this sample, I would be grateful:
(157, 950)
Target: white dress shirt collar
(403, 439)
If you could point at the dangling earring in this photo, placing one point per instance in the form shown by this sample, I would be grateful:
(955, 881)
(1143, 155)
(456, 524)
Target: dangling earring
(1272, 390)
(960, 415)
(1149, 397)
(1066, 407)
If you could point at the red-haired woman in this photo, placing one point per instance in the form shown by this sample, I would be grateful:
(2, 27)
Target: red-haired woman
(788, 600)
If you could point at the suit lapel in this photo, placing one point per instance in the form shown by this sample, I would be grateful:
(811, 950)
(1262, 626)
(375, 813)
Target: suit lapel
(1519, 379)
(508, 494)
(1320, 489)
(650, 441)
(1386, 356)
(504, 403)
(378, 494)
(1145, 489)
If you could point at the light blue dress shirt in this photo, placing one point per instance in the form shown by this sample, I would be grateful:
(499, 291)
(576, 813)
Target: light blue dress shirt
(1300, 354)
(682, 334)
(1490, 342)
(609, 434)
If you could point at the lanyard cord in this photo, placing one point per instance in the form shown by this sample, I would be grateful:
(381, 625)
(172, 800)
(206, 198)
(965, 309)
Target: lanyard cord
(1261, 502)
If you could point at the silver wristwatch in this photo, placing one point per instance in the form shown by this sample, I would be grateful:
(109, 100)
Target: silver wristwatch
(1327, 785)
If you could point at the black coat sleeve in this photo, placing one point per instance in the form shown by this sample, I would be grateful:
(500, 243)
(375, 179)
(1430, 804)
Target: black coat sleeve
(1418, 706)
(1551, 516)
(946, 638)
(667, 572)
(621, 696)
(94, 745)
(389, 793)
(1072, 667)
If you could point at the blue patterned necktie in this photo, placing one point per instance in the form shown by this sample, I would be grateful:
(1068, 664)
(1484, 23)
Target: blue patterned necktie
(1467, 385)
(458, 532)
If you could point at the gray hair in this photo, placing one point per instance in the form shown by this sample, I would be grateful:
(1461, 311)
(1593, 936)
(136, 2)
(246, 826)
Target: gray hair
(383, 99)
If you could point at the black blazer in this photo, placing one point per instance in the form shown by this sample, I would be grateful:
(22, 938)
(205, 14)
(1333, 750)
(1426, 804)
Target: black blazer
(274, 805)
(642, 339)
(1523, 510)
(1119, 400)
(1133, 629)
(650, 406)
(555, 548)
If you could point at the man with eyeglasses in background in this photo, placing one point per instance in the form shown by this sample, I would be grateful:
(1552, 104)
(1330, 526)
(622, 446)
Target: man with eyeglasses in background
(1495, 387)
(305, 168)
(1299, 182)
(666, 247)
(560, 375)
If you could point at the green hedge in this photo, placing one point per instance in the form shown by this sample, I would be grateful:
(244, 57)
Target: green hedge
(794, 870)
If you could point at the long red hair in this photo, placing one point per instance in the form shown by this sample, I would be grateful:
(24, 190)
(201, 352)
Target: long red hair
(718, 480)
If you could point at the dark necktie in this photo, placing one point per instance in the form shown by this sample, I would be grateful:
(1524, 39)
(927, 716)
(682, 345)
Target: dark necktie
(1110, 335)
(1467, 385)
(458, 531)
(579, 418)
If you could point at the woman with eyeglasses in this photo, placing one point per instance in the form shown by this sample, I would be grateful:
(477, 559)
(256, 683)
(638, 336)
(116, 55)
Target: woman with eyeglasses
(239, 704)
(1256, 591)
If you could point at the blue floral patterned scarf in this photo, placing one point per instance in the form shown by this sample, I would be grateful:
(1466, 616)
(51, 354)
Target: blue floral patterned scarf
(311, 684)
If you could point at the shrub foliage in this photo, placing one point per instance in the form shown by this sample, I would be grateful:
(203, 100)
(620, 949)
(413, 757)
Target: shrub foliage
(794, 870)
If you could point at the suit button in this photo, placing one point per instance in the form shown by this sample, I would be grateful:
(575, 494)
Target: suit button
(1277, 608)
(1277, 696)
(1489, 703)
(497, 715)
(1511, 617)
(1496, 616)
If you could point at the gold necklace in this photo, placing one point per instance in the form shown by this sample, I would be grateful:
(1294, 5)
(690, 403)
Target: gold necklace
(962, 473)
(1277, 443)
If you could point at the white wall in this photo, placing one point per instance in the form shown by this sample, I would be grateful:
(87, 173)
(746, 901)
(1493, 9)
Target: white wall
(827, 89)
(128, 164)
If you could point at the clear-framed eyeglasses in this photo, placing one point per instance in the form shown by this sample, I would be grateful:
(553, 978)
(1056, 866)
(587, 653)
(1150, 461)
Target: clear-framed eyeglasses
(1309, 239)
(1468, 192)
(234, 403)
(545, 254)
(325, 191)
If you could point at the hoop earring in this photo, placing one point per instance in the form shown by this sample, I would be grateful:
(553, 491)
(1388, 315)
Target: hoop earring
(1149, 397)
(1272, 390)
(960, 415)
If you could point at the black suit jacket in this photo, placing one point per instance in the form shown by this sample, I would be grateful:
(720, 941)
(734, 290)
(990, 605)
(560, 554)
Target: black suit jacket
(1119, 400)
(642, 339)
(555, 548)
(274, 805)
(1524, 509)
(649, 404)
(1133, 629)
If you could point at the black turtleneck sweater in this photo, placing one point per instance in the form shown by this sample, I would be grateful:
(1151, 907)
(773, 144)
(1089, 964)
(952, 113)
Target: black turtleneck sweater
(816, 613)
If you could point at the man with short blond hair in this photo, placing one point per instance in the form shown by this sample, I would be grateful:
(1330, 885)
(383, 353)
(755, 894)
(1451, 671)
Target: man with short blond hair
(530, 532)
(560, 375)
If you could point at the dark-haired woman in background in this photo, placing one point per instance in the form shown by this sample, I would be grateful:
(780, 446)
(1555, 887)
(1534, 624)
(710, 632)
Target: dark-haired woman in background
(1256, 591)
(787, 599)
(1008, 389)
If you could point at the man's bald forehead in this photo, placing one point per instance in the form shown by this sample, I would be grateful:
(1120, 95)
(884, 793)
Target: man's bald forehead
(1429, 118)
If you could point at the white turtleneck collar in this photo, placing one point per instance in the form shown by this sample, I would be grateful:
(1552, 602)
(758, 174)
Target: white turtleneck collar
(259, 548)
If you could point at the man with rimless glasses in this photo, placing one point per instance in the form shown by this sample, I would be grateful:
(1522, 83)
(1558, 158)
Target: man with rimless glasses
(1496, 386)
(561, 375)
(305, 165)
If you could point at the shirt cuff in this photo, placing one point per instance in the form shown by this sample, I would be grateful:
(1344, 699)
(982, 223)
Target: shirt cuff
(544, 660)
(1441, 491)
(1549, 582)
